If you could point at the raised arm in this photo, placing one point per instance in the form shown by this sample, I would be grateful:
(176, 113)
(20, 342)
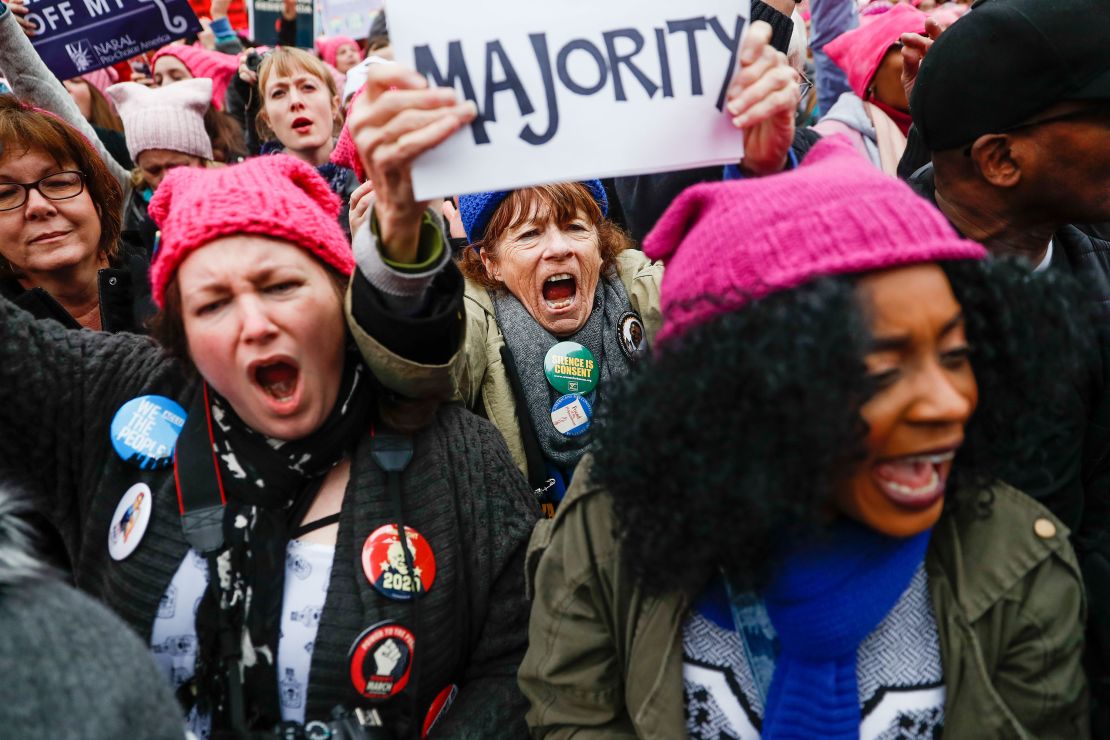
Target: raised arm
(34, 82)
(405, 301)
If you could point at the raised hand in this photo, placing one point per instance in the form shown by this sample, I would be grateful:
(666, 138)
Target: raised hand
(395, 120)
(762, 99)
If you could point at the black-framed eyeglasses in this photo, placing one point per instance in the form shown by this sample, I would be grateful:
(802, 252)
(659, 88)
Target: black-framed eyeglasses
(1091, 111)
(58, 186)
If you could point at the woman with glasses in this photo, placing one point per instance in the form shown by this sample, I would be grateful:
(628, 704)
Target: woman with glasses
(60, 216)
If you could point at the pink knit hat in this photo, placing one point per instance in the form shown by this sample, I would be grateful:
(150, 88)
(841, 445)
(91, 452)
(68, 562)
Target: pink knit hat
(328, 47)
(859, 52)
(201, 62)
(345, 154)
(277, 196)
(727, 243)
(168, 117)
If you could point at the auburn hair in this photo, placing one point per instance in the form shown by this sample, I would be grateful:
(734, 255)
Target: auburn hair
(23, 128)
(560, 204)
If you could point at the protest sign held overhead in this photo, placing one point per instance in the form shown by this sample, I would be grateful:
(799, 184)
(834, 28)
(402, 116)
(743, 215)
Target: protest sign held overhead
(571, 90)
(74, 37)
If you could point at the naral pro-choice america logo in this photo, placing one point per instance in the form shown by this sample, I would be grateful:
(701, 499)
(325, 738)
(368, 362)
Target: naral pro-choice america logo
(82, 54)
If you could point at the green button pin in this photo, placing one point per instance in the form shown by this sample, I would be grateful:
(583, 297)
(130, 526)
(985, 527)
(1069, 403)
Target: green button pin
(571, 368)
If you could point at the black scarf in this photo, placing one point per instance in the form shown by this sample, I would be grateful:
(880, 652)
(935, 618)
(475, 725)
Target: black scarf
(268, 485)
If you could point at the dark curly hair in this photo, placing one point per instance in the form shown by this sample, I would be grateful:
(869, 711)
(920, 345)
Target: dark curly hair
(733, 438)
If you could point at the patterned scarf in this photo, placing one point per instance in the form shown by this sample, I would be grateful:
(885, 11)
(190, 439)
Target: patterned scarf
(529, 343)
(269, 484)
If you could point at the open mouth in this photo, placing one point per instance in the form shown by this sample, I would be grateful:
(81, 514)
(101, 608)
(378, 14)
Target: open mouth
(278, 380)
(302, 125)
(916, 481)
(559, 291)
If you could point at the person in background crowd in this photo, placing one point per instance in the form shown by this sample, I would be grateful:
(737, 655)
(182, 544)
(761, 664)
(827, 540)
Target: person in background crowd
(377, 48)
(828, 20)
(60, 223)
(557, 307)
(849, 565)
(341, 52)
(301, 115)
(1020, 160)
(44, 661)
(875, 114)
(378, 42)
(180, 62)
(165, 129)
(313, 483)
(87, 92)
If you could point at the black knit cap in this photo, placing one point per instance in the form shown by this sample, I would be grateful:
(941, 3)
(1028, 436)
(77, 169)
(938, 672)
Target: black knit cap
(1006, 61)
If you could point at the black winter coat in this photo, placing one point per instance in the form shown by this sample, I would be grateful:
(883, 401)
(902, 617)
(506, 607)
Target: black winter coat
(59, 390)
(1076, 485)
(124, 290)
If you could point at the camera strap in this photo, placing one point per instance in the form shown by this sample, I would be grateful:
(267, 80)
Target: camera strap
(393, 452)
(201, 504)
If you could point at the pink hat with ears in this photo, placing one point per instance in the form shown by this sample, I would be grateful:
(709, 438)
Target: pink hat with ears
(859, 52)
(328, 47)
(727, 244)
(201, 62)
(279, 197)
(168, 117)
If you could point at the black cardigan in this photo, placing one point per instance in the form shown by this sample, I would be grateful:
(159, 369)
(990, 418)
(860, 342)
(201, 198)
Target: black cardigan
(58, 392)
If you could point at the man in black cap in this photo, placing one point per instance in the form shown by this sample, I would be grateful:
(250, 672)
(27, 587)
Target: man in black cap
(1013, 102)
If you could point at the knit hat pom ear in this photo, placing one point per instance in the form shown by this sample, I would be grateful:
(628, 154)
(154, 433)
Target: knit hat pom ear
(123, 93)
(159, 207)
(675, 222)
(306, 178)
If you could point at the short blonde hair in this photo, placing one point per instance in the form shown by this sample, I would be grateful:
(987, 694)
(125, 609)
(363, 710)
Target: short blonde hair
(285, 61)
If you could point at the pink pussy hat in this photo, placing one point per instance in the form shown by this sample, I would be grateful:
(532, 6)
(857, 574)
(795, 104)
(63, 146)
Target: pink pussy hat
(277, 196)
(328, 47)
(201, 62)
(859, 52)
(725, 244)
(168, 117)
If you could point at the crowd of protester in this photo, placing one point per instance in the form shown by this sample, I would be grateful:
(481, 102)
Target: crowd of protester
(812, 444)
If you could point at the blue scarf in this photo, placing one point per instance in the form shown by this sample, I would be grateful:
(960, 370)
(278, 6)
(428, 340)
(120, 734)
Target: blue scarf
(826, 598)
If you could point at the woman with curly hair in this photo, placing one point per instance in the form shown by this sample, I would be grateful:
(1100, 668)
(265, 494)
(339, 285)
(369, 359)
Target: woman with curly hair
(793, 522)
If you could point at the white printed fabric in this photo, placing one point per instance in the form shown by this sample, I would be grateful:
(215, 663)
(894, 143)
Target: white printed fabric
(898, 669)
(173, 638)
(307, 574)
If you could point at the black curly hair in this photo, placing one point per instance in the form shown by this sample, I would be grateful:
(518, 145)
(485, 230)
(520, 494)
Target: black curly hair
(733, 437)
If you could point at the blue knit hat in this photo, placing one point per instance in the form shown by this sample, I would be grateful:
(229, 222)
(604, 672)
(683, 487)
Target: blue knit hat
(477, 209)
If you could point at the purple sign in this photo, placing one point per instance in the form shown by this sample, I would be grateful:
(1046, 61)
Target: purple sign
(78, 36)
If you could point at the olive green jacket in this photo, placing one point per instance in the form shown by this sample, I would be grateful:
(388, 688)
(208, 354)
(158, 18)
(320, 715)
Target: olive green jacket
(476, 375)
(605, 661)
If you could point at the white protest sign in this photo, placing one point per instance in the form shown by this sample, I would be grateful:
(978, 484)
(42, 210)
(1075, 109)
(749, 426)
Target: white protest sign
(573, 89)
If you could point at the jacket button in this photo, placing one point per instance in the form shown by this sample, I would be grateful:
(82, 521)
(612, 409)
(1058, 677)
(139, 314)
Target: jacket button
(1044, 529)
(112, 281)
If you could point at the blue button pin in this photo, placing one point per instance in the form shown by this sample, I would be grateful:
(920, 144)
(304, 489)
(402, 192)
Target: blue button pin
(572, 414)
(145, 429)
